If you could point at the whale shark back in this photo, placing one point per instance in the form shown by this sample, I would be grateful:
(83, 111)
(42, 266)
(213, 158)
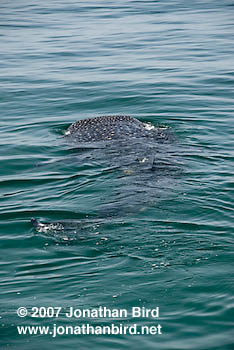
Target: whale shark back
(110, 128)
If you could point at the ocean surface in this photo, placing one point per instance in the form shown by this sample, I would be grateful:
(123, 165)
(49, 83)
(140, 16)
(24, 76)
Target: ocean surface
(146, 225)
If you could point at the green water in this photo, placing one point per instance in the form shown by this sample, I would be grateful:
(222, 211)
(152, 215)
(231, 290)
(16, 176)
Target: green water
(134, 238)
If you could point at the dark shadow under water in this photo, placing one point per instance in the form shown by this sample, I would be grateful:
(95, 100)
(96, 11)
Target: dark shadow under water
(134, 173)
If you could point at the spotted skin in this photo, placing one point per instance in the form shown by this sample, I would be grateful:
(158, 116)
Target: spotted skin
(108, 128)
